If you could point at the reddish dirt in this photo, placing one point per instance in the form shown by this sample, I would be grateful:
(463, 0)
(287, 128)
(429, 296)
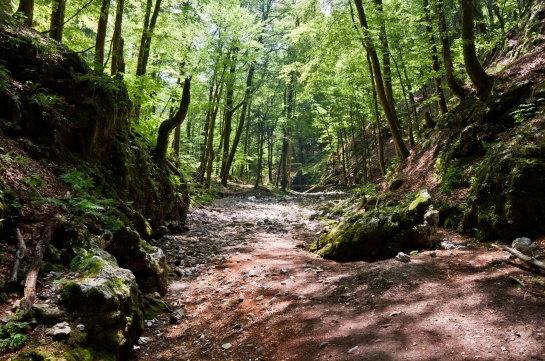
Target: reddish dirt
(269, 299)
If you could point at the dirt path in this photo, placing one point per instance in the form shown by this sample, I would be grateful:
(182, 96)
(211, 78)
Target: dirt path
(249, 290)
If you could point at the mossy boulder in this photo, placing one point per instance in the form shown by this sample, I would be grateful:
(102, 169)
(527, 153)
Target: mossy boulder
(108, 304)
(148, 263)
(382, 232)
(507, 197)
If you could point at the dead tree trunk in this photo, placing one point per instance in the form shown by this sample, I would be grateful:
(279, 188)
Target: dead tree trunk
(32, 275)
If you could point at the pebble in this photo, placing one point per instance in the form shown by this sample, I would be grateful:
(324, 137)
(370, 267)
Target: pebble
(353, 349)
(324, 344)
(226, 346)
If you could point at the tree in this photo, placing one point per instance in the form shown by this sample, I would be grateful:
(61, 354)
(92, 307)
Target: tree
(391, 117)
(435, 60)
(117, 41)
(26, 9)
(474, 69)
(58, 8)
(101, 36)
(454, 84)
(169, 124)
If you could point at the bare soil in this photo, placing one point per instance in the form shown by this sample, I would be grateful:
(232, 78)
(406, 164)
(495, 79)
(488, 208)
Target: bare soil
(259, 295)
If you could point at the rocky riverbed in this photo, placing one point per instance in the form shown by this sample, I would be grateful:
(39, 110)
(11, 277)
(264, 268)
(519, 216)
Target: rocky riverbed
(246, 288)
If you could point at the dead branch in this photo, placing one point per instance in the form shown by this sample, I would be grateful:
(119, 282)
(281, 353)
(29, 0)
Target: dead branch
(529, 260)
(32, 275)
(20, 254)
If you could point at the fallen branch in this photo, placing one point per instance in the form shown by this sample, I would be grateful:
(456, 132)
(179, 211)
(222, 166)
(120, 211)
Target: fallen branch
(20, 254)
(529, 260)
(32, 275)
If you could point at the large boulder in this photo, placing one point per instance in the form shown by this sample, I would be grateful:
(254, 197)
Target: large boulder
(382, 232)
(148, 263)
(107, 301)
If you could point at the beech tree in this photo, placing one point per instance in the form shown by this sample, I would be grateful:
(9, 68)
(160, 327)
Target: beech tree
(474, 69)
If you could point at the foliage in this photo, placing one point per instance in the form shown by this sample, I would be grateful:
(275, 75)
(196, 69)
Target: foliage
(84, 204)
(12, 334)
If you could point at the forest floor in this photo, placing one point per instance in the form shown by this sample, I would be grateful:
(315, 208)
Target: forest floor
(248, 289)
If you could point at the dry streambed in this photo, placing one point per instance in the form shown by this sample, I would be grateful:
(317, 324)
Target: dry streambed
(247, 289)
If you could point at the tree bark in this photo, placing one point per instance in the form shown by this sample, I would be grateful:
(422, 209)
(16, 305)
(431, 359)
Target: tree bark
(441, 102)
(26, 8)
(147, 33)
(117, 49)
(32, 274)
(455, 86)
(168, 125)
(101, 36)
(56, 24)
(240, 127)
(474, 69)
(391, 117)
(380, 144)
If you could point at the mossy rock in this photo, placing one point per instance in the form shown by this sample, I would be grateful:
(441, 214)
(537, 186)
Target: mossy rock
(109, 305)
(382, 232)
(37, 355)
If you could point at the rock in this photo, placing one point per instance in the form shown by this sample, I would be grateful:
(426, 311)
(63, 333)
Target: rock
(402, 257)
(80, 327)
(252, 273)
(47, 314)
(381, 232)
(177, 316)
(108, 303)
(522, 244)
(353, 349)
(61, 331)
(433, 254)
(324, 344)
(226, 346)
(148, 263)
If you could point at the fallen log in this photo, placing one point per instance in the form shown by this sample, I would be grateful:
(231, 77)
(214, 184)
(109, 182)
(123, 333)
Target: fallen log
(536, 264)
(20, 254)
(32, 275)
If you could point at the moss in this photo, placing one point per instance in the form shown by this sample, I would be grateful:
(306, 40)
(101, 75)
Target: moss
(422, 200)
(35, 355)
(153, 305)
(52, 267)
(80, 354)
(148, 248)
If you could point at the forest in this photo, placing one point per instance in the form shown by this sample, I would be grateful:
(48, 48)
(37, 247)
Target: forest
(272, 179)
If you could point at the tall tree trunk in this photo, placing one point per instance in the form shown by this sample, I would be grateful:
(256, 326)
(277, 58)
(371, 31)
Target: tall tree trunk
(391, 117)
(101, 36)
(441, 102)
(407, 106)
(26, 8)
(56, 24)
(176, 142)
(168, 125)
(147, 33)
(380, 144)
(455, 86)
(117, 49)
(474, 69)
(228, 116)
(260, 143)
(240, 127)
(386, 66)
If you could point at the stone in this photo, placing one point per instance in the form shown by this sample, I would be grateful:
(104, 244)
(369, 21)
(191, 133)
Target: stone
(324, 344)
(226, 346)
(402, 257)
(47, 314)
(353, 349)
(60, 331)
(522, 244)
(108, 303)
(177, 316)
